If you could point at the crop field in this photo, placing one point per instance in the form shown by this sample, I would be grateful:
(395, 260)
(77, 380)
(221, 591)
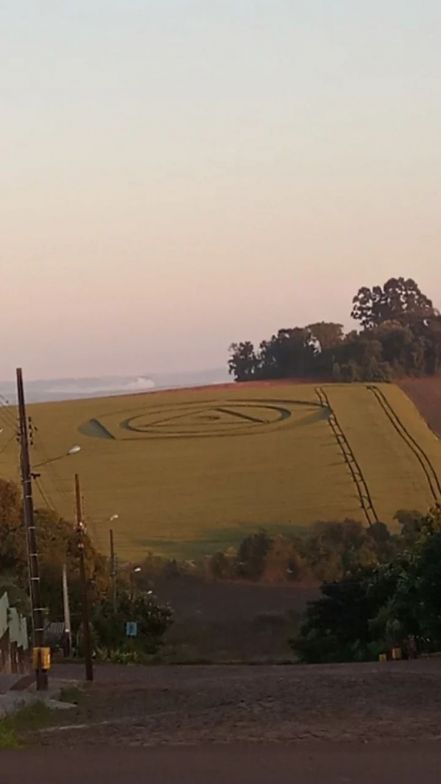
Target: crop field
(426, 394)
(190, 472)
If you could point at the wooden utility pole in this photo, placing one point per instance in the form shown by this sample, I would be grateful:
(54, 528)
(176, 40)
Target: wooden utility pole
(39, 651)
(113, 569)
(85, 594)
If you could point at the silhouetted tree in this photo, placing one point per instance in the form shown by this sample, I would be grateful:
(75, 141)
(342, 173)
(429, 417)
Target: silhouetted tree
(401, 336)
(243, 362)
(327, 334)
(398, 299)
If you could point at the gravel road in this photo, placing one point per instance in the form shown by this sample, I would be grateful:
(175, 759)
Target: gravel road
(242, 725)
(236, 764)
(361, 703)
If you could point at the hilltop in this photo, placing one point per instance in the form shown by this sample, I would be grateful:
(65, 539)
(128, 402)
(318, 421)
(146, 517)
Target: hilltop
(190, 472)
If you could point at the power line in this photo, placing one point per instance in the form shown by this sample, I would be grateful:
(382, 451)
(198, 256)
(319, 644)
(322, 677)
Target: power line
(8, 420)
(49, 469)
(44, 495)
(7, 443)
(6, 407)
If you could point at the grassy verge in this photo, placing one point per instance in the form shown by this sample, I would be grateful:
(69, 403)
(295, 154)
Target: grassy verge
(72, 694)
(30, 718)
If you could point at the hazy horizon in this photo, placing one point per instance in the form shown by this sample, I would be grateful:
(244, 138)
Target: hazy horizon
(179, 175)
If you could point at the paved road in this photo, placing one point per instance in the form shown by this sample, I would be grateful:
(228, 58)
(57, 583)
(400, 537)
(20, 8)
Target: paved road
(140, 707)
(360, 724)
(304, 764)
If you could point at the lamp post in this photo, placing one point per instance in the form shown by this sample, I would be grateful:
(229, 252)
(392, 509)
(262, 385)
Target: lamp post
(67, 637)
(133, 572)
(113, 566)
(72, 451)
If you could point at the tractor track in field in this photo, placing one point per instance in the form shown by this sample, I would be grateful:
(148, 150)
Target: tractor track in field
(423, 459)
(351, 461)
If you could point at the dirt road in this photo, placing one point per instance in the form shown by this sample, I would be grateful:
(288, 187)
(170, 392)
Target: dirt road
(361, 703)
(305, 764)
(262, 724)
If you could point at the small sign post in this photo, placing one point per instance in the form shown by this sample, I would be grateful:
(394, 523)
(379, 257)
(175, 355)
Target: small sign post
(131, 629)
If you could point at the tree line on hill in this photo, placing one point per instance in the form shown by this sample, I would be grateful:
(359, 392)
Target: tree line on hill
(379, 589)
(400, 335)
(324, 551)
(374, 608)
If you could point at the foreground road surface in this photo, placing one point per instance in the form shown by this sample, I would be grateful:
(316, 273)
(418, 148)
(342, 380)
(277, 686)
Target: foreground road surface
(334, 724)
(193, 705)
(305, 764)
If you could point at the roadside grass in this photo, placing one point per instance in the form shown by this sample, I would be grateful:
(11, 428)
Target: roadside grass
(72, 694)
(27, 719)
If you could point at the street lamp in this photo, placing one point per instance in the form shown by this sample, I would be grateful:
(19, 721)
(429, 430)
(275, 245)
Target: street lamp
(113, 567)
(134, 571)
(72, 451)
(67, 636)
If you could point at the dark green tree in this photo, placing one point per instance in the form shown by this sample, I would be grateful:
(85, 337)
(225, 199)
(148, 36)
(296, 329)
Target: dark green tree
(397, 300)
(252, 554)
(290, 354)
(327, 334)
(243, 363)
(336, 627)
(57, 544)
(381, 606)
(152, 619)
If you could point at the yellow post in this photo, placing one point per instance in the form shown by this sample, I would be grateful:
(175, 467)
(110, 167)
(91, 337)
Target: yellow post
(41, 659)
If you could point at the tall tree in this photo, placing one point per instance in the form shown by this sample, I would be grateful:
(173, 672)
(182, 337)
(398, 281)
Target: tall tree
(243, 363)
(327, 334)
(289, 354)
(57, 542)
(397, 300)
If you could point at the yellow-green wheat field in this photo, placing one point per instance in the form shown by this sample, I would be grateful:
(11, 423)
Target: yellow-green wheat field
(190, 472)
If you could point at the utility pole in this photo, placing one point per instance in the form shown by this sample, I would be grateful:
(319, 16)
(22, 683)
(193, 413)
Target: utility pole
(83, 579)
(66, 608)
(113, 569)
(40, 653)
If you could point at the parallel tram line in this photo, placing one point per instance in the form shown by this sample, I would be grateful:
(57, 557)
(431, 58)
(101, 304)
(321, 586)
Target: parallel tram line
(423, 459)
(362, 488)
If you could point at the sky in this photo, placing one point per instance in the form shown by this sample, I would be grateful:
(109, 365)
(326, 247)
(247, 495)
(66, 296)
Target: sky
(179, 174)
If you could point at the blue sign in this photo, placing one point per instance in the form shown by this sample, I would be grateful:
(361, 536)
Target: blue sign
(131, 629)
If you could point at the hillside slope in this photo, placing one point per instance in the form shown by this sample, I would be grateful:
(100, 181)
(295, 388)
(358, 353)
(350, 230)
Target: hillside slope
(426, 394)
(193, 471)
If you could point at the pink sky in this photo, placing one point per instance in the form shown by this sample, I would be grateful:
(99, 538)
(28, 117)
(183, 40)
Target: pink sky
(173, 182)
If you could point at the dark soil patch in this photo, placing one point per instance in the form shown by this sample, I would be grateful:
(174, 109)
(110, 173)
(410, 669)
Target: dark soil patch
(218, 620)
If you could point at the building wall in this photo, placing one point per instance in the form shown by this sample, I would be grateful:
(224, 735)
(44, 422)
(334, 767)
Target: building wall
(14, 642)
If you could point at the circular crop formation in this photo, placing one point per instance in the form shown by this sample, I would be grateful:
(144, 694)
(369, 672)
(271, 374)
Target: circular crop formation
(197, 419)
(206, 419)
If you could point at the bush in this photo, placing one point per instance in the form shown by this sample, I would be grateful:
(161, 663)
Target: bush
(152, 617)
(380, 607)
(252, 555)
